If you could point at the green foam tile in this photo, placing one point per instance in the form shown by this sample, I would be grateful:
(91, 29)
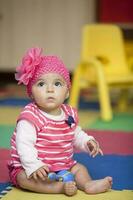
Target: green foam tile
(122, 122)
(5, 135)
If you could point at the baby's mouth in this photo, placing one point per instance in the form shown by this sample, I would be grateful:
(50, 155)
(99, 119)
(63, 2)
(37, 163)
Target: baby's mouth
(50, 98)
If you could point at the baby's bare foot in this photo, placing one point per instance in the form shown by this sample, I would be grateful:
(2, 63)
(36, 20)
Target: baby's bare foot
(70, 188)
(98, 186)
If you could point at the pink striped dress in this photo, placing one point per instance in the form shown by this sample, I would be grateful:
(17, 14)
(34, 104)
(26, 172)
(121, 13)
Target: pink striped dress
(55, 139)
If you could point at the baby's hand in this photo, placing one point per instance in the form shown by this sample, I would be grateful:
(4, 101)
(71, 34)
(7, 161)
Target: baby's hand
(41, 173)
(94, 148)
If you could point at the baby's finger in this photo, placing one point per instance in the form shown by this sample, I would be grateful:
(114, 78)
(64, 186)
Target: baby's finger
(100, 151)
(41, 175)
(46, 168)
(93, 152)
(43, 171)
(34, 176)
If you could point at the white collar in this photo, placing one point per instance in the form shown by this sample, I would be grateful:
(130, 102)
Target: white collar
(54, 117)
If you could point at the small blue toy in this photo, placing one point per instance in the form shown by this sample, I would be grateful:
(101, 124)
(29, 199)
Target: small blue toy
(63, 175)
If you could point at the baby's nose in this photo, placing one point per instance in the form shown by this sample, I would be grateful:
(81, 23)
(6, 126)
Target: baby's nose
(50, 88)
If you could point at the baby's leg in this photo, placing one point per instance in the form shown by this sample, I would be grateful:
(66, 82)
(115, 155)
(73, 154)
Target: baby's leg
(46, 187)
(85, 183)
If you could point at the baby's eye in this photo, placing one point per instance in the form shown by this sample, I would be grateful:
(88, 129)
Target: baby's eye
(41, 83)
(58, 83)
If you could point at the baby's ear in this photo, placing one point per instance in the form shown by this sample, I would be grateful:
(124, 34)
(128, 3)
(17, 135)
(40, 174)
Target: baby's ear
(67, 95)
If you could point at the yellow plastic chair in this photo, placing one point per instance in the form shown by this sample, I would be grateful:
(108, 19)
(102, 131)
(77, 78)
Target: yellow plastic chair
(102, 65)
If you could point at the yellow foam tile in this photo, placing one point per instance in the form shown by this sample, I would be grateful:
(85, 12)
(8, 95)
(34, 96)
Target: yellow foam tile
(8, 115)
(86, 118)
(17, 194)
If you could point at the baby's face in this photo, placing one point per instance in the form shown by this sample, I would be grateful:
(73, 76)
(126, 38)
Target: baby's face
(49, 92)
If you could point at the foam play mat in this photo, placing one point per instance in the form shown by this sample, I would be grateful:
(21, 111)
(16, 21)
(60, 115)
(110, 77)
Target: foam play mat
(16, 194)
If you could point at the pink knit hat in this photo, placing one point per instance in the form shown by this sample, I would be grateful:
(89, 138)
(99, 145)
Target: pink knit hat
(34, 64)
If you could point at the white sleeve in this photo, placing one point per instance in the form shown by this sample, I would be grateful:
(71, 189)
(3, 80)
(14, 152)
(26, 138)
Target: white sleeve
(81, 139)
(25, 141)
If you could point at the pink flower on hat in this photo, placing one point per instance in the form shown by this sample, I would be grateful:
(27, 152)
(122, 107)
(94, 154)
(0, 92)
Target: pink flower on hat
(30, 62)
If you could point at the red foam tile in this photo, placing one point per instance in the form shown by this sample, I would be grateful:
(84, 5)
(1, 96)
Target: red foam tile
(114, 142)
(4, 157)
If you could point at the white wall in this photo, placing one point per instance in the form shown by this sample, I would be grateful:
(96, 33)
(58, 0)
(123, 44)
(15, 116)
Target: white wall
(54, 25)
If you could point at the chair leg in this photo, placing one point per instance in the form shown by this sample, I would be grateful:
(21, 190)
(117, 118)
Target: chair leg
(122, 104)
(75, 89)
(105, 104)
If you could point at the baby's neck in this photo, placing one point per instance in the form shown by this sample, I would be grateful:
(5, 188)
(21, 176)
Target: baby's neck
(60, 116)
(55, 112)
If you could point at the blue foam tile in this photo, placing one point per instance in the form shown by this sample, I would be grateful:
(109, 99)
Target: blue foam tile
(14, 102)
(4, 185)
(120, 168)
(4, 189)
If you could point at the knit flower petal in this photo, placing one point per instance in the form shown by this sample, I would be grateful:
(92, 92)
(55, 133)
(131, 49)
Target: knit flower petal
(30, 62)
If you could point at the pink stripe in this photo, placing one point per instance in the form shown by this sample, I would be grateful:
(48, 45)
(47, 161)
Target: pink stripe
(54, 144)
(114, 142)
(55, 137)
(52, 130)
(57, 149)
(52, 155)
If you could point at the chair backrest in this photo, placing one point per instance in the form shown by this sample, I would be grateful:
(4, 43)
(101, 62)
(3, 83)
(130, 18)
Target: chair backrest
(106, 43)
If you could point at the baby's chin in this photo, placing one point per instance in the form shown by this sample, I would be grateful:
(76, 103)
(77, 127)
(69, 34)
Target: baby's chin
(51, 109)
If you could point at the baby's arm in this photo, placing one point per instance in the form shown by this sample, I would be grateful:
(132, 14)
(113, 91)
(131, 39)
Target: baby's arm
(25, 142)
